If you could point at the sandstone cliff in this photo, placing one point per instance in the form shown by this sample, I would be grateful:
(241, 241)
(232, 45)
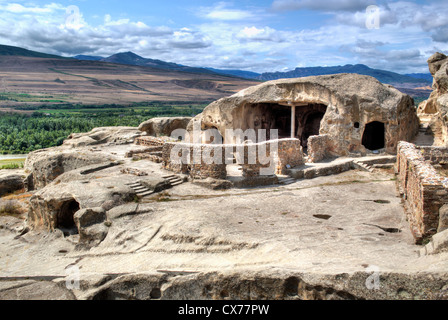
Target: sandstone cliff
(437, 104)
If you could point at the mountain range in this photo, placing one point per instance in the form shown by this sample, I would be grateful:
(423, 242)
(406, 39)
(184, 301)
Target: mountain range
(417, 85)
(405, 81)
(382, 75)
(29, 78)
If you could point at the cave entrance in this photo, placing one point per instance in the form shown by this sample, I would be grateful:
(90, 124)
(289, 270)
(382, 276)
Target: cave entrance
(298, 120)
(311, 126)
(282, 120)
(65, 218)
(374, 136)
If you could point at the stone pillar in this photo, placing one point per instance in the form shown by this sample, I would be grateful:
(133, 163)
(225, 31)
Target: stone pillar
(293, 122)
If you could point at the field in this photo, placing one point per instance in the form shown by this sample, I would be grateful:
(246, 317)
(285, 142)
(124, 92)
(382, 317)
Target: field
(36, 81)
(43, 99)
(12, 163)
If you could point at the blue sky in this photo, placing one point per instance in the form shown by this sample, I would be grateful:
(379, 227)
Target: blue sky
(260, 36)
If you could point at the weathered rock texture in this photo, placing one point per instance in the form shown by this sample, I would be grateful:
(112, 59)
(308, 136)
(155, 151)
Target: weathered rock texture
(44, 166)
(320, 147)
(164, 126)
(103, 135)
(437, 104)
(91, 225)
(55, 205)
(345, 104)
(297, 241)
(10, 182)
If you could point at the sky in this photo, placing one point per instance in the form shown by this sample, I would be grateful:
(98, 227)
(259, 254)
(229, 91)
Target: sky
(259, 36)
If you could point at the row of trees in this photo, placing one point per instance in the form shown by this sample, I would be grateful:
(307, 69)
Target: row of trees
(23, 134)
(20, 134)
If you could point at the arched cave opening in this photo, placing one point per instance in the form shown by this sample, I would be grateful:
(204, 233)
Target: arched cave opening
(65, 217)
(374, 136)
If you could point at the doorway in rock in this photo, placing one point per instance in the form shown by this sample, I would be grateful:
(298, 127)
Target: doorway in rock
(374, 136)
(282, 120)
(311, 126)
(307, 119)
(65, 218)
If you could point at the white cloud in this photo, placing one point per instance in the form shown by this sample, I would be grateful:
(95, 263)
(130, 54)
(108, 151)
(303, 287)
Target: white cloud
(48, 30)
(260, 34)
(222, 12)
(241, 37)
(321, 5)
(18, 8)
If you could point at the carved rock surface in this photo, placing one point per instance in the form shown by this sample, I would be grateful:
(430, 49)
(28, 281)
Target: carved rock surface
(437, 104)
(10, 182)
(348, 103)
(164, 126)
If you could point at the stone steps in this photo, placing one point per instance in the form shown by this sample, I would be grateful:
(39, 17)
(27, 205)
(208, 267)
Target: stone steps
(362, 166)
(140, 190)
(173, 180)
(371, 163)
(285, 180)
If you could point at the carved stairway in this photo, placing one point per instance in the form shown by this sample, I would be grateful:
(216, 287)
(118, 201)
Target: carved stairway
(285, 180)
(173, 180)
(140, 189)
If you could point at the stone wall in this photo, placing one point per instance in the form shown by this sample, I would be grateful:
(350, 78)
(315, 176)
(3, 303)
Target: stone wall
(424, 190)
(202, 161)
(435, 155)
(150, 141)
(319, 147)
(170, 165)
(290, 155)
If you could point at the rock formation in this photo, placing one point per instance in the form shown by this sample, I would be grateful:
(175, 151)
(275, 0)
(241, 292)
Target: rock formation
(163, 126)
(357, 112)
(437, 104)
(43, 166)
(11, 182)
(129, 230)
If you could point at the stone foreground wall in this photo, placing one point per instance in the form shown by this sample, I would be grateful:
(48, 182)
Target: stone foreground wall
(150, 141)
(320, 147)
(203, 161)
(424, 190)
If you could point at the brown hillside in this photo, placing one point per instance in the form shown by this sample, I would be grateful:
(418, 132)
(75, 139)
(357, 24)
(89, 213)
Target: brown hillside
(92, 82)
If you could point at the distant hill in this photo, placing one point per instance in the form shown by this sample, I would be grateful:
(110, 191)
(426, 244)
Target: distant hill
(16, 51)
(425, 76)
(130, 58)
(414, 84)
(410, 81)
(53, 80)
(88, 58)
(382, 75)
(237, 73)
